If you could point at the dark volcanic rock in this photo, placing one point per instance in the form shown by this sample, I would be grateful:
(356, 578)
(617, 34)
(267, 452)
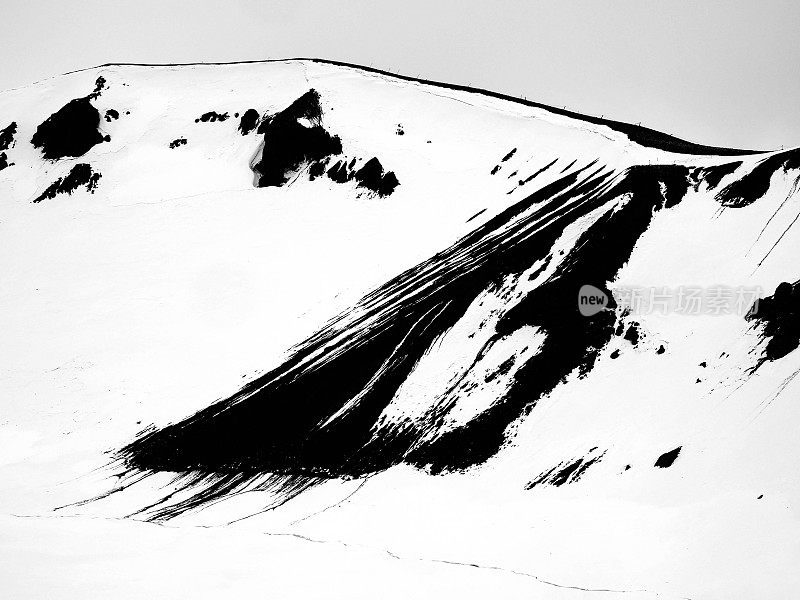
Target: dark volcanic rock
(752, 186)
(372, 177)
(339, 172)
(7, 136)
(317, 169)
(249, 121)
(780, 315)
(80, 174)
(99, 85)
(71, 131)
(665, 460)
(178, 142)
(713, 175)
(111, 115)
(293, 138)
(213, 116)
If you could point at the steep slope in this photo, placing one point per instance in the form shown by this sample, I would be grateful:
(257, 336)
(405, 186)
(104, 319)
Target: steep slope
(258, 289)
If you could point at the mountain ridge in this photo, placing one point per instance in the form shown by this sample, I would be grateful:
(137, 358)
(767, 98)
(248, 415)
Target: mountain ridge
(640, 134)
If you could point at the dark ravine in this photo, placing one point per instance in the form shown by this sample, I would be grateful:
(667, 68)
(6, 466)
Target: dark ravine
(573, 342)
(753, 185)
(714, 175)
(314, 416)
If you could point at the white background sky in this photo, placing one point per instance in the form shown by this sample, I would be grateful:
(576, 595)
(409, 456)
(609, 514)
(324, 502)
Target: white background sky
(716, 72)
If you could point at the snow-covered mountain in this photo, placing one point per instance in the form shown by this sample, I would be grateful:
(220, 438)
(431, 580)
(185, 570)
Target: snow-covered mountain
(430, 340)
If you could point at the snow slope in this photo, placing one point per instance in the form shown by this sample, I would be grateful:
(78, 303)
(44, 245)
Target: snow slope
(411, 404)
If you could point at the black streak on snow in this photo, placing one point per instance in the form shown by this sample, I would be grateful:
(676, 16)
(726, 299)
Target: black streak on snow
(178, 142)
(565, 472)
(666, 459)
(509, 155)
(501, 370)
(477, 214)
(80, 174)
(779, 316)
(573, 341)
(539, 172)
(315, 416)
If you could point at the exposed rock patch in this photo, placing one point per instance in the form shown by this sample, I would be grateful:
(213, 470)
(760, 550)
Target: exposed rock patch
(249, 121)
(212, 116)
(780, 316)
(294, 138)
(80, 175)
(71, 131)
(372, 177)
(668, 458)
(7, 136)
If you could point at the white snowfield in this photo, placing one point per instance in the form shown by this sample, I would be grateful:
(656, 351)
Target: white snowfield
(177, 280)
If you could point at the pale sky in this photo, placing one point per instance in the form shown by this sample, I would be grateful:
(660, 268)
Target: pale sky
(716, 72)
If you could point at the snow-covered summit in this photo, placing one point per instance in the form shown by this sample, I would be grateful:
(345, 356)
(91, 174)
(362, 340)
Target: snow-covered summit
(334, 304)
